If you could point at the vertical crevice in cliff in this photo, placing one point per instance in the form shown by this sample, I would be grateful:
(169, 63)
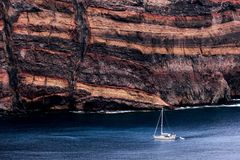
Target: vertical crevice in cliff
(10, 57)
(80, 37)
(82, 29)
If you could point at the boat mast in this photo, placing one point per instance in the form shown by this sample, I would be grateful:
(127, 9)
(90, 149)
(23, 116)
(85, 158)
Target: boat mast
(162, 121)
(159, 118)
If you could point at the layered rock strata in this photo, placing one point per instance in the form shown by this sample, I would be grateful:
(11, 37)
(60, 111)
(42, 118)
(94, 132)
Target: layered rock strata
(111, 54)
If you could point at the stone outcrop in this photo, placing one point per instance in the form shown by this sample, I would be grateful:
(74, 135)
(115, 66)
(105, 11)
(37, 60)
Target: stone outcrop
(111, 54)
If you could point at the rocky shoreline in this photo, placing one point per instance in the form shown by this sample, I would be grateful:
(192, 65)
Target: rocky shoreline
(4, 114)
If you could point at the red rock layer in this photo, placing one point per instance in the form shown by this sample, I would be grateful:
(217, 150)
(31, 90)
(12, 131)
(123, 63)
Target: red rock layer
(134, 54)
(5, 95)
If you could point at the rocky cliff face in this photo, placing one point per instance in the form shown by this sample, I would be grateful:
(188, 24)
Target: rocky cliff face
(111, 54)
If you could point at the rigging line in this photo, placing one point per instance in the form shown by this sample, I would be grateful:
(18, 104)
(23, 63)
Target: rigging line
(157, 124)
(167, 124)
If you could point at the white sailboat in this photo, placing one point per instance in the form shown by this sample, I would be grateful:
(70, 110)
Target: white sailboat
(163, 136)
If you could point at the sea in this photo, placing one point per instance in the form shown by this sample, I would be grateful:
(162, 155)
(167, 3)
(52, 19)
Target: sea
(204, 133)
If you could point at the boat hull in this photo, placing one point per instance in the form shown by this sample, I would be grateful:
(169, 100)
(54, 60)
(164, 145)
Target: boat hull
(165, 137)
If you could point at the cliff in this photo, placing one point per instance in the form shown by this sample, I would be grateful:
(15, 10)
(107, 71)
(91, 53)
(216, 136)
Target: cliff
(111, 54)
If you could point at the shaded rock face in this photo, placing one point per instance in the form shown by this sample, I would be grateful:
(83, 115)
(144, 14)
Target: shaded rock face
(135, 54)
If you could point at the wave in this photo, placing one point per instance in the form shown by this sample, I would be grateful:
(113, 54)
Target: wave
(235, 100)
(110, 112)
(127, 111)
(210, 106)
(77, 112)
(179, 108)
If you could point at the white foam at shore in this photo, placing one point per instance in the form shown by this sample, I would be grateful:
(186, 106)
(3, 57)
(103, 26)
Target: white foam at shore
(210, 106)
(111, 112)
(180, 108)
(235, 99)
(78, 112)
(117, 112)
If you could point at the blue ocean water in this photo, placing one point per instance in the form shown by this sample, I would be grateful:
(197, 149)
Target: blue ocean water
(210, 133)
